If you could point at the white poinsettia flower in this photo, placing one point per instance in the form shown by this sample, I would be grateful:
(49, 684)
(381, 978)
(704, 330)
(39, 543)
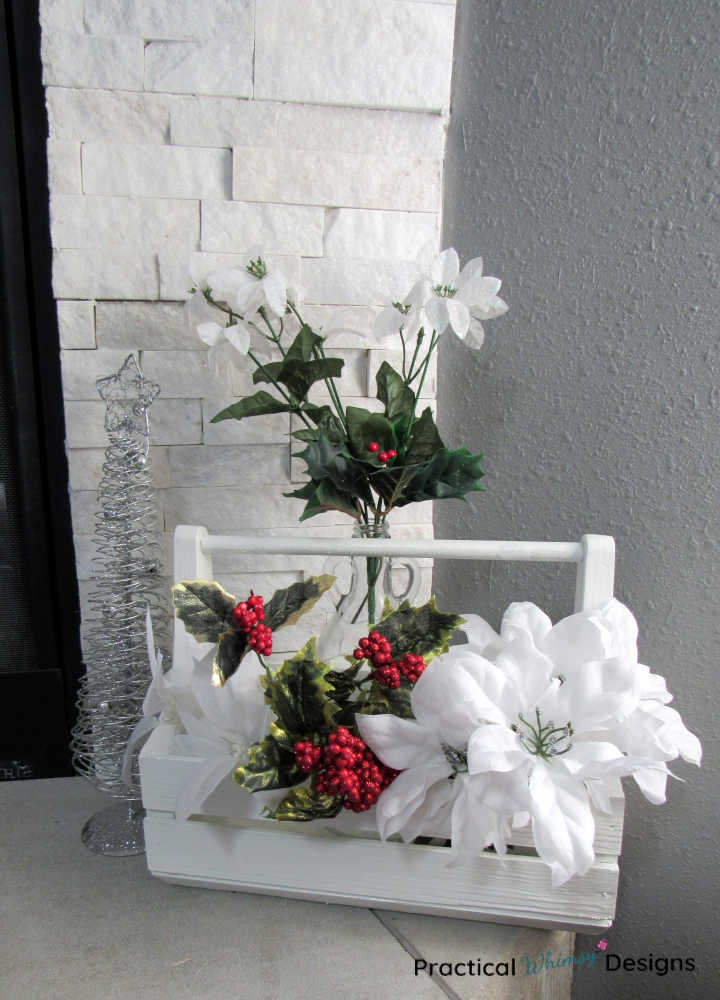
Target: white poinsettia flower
(459, 299)
(231, 718)
(448, 705)
(248, 289)
(407, 315)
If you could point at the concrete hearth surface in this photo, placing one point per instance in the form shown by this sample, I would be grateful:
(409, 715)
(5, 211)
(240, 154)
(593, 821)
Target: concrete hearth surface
(78, 926)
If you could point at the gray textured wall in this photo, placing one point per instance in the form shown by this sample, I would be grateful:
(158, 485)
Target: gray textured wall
(584, 163)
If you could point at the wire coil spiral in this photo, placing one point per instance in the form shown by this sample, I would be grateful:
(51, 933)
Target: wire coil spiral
(127, 579)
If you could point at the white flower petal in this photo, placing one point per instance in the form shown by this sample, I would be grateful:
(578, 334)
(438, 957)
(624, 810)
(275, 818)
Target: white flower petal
(475, 336)
(523, 618)
(210, 333)
(478, 289)
(494, 748)
(480, 635)
(437, 313)
(388, 322)
(426, 790)
(420, 293)
(445, 268)
(473, 825)
(239, 336)
(275, 291)
(490, 309)
(652, 782)
(459, 317)
(593, 694)
(562, 822)
(399, 743)
(472, 270)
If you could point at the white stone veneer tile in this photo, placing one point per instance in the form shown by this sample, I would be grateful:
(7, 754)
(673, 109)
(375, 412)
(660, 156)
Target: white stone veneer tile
(378, 235)
(82, 369)
(230, 465)
(64, 175)
(87, 221)
(337, 179)
(156, 171)
(179, 272)
(145, 326)
(355, 52)
(356, 282)
(106, 115)
(83, 61)
(209, 67)
(242, 227)
(122, 274)
(76, 323)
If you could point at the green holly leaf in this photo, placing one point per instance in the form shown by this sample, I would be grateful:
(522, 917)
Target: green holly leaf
(271, 764)
(423, 630)
(298, 375)
(326, 460)
(303, 803)
(398, 399)
(252, 406)
(380, 700)
(203, 607)
(450, 474)
(300, 695)
(326, 421)
(343, 681)
(363, 427)
(231, 648)
(288, 605)
(324, 496)
(425, 442)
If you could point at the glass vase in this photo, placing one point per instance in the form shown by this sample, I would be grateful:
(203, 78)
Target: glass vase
(365, 586)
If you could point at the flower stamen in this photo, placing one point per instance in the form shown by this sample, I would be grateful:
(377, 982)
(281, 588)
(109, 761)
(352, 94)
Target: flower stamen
(445, 291)
(257, 268)
(457, 759)
(544, 741)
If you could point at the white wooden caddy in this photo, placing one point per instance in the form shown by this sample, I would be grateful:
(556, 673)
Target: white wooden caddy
(220, 851)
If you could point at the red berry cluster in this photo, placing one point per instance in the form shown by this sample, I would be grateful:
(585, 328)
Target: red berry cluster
(249, 616)
(345, 766)
(376, 648)
(383, 456)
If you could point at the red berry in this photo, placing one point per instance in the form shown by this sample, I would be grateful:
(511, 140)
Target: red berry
(391, 453)
(373, 446)
(383, 457)
(359, 654)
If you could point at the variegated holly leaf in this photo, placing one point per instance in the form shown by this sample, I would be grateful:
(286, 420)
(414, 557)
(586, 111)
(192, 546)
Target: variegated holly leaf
(287, 606)
(303, 803)
(300, 694)
(231, 648)
(379, 700)
(423, 630)
(204, 608)
(271, 764)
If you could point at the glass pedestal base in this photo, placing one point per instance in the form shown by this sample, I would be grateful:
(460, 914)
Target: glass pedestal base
(116, 831)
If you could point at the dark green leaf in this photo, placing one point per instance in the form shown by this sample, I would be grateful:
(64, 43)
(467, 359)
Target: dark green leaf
(303, 803)
(343, 682)
(322, 497)
(271, 764)
(364, 427)
(398, 399)
(425, 442)
(252, 406)
(326, 422)
(450, 474)
(326, 460)
(304, 345)
(203, 607)
(288, 605)
(300, 695)
(298, 375)
(230, 651)
(305, 434)
(423, 630)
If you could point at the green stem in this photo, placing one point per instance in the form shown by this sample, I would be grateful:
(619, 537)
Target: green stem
(329, 382)
(423, 372)
(271, 328)
(418, 342)
(402, 340)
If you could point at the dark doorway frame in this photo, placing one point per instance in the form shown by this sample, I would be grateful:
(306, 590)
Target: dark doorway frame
(37, 706)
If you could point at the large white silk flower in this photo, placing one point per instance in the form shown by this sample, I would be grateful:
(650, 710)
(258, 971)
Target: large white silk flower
(460, 299)
(532, 720)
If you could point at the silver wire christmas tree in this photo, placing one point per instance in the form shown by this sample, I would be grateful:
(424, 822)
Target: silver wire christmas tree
(126, 580)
